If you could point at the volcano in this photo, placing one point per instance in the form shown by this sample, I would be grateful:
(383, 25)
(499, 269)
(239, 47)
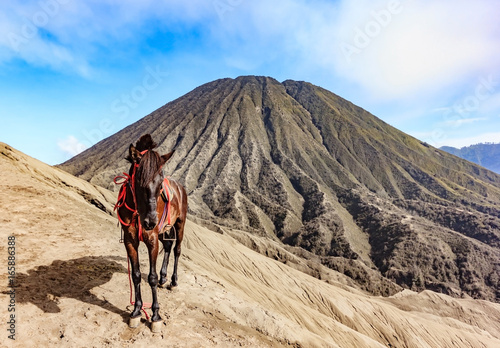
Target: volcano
(327, 180)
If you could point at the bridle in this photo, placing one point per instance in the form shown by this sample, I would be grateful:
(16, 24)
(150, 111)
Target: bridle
(129, 180)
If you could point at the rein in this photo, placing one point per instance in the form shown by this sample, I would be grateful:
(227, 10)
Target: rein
(127, 179)
(122, 201)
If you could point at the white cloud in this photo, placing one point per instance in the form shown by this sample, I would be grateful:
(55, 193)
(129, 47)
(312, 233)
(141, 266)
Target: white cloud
(441, 110)
(403, 49)
(423, 47)
(491, 137)
(67, 35)
(71, 146)
(31, 31)
(409, 49)
(461, 121)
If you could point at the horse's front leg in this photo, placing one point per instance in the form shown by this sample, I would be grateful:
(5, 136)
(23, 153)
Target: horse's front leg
(133, 255)
(152, 244)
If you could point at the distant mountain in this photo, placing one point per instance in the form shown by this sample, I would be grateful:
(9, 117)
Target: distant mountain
(329, 180)
(486, 155)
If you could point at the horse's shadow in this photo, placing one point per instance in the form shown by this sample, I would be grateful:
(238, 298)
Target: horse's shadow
(44, 285)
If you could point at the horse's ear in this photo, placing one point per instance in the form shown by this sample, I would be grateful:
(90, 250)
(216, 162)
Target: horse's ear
(166, 157)
(133, 154)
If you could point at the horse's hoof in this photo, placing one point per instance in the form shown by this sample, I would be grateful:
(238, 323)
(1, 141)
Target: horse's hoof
(163, 285)
(134, 322)
(156, 326)
(172, 287)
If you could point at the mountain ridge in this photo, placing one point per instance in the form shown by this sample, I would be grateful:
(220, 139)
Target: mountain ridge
(484, 154)
(302, 166)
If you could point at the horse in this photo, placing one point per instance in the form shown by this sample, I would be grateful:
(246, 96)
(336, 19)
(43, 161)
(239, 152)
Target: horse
(142, 211)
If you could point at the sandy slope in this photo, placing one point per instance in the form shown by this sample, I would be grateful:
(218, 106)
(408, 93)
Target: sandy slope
(73, 285)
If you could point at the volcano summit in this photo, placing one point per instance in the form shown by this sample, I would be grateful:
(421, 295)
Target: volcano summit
(325, 179)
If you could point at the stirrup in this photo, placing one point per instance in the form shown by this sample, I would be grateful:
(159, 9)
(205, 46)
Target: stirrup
(166, 234)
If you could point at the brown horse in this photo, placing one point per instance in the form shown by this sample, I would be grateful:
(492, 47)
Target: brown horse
(142, 211)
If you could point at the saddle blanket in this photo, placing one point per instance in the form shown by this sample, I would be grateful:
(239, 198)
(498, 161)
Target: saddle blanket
(166, 191)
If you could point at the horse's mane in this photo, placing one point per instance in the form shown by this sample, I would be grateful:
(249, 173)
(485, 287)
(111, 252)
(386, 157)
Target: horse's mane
(150, 163)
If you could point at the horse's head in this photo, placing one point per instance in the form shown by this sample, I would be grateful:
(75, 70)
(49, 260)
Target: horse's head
(148, 178)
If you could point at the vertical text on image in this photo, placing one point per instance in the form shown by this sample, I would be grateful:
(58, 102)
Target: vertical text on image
(11, 270)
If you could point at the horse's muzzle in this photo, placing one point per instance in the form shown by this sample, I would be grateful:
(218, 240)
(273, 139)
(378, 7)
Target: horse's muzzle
(149, 224)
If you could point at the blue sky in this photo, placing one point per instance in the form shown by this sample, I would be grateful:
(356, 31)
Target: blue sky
(73, 72)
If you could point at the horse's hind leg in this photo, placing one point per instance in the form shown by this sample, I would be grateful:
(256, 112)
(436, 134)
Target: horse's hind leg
(179, 225)
(167, 246)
